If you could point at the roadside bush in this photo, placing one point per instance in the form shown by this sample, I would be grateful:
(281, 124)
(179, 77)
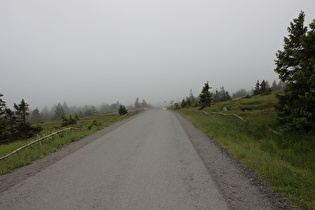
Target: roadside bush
(70, 121)
(176, 106)
(93, 123)
(122, 110)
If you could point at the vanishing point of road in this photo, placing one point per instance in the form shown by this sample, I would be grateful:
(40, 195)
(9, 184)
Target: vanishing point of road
(149, 162)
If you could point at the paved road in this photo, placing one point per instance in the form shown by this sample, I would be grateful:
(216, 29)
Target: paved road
(147, 163)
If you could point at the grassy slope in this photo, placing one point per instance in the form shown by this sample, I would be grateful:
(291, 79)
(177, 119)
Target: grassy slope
(52, 144)
(286, 162)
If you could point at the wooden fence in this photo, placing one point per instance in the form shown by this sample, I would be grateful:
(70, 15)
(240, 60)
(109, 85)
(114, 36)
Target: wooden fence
(33, 142)
(234, 115)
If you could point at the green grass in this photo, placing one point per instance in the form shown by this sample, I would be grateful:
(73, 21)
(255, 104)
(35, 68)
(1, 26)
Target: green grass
(52, 144)
(286, 162)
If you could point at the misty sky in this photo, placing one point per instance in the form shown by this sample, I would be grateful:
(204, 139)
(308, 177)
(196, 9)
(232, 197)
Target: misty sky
(101, 51)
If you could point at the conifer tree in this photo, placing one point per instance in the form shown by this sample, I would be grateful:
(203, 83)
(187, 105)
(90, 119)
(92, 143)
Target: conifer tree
(257, 88)
(191, 98)
(295, 65)
(10, 123)
(183, 104)
(2, 106)
(205, 97)
(2, 119)
(122, 110)
(274, 86)
(21, 112)
(35, 116)
(137, 104)
(144, 104)
(216, 96)
(262, 88)
(59, 112)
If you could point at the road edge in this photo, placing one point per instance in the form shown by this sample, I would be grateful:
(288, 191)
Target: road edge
(242, 188)
(19, 174)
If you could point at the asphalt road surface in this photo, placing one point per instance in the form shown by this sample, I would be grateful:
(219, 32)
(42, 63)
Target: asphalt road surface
(148, 162)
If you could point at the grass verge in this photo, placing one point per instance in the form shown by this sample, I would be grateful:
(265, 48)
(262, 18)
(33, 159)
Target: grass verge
(286, 162)
(86, 126)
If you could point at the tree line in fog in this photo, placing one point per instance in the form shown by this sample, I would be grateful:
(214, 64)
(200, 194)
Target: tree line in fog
(57, 111)
(206, 96)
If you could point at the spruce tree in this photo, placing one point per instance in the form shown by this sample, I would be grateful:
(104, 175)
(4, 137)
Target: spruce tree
(122, 110)
(10, 123)
(35, 116)
(216, 97)
(227, 96)
(59, 112)
(2, 119)
(2, 106)
(191, 98)
(183, 104)
(257, 88)
(205, 97)
(263, 88)
(137, 104)
(274, 86)
(295, 65)
(21, 112)
(144, 104)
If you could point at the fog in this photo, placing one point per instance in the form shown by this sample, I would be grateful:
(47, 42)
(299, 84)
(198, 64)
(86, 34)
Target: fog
(103, 51)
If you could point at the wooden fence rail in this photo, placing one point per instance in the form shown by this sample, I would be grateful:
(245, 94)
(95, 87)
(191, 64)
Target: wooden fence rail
(225, 114)
(33, 142)
(234, 115)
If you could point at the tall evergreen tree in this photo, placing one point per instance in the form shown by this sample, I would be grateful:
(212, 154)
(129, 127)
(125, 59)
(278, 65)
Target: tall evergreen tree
(183, 104)
(263, 87)
(21, 112)
(137, 104)
(227, 96)
(295, 65)
(2, 106)
(35, 116)
(274, 86)
(2, 119)
(257, 88)
(11, 130)
(216, 96)
(45, 115)
(59, 112)
(221, 95)
(144, 104)
(205, 97)
(191, 98)
(66, 109)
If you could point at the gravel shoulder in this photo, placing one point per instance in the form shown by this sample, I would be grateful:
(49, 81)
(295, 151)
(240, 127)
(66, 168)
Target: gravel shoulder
(19, 174)
(240, 185)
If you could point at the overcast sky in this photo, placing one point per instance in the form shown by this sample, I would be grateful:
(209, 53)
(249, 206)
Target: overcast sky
(102, 51)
